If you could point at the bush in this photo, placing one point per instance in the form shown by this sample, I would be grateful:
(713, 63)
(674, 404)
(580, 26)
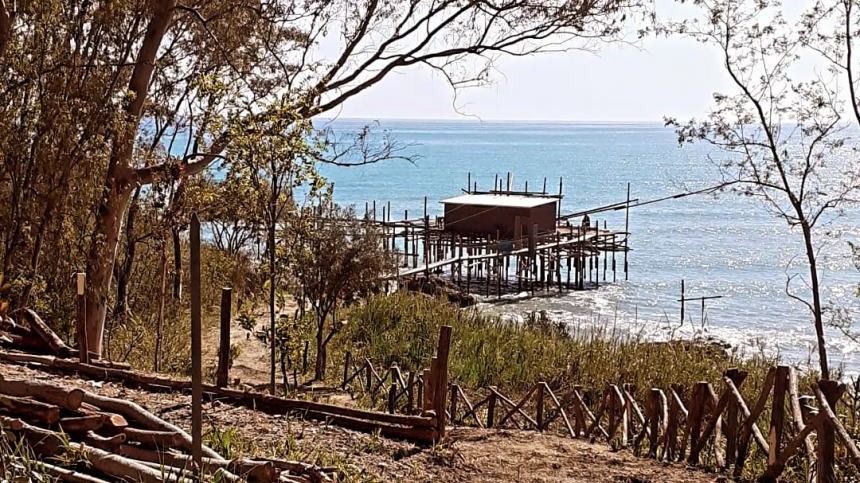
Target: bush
(486, 350)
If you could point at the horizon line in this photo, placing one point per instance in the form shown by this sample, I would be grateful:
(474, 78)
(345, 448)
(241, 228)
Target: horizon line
(478, 119)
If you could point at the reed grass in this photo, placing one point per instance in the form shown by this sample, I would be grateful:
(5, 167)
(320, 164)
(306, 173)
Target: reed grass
(487, 350)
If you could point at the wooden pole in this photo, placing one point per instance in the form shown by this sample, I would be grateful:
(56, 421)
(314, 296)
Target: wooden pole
(224, 344)
(626, 229)
(560, 191)
(347, 358)
(80, 287)
(196, 363)
(732, 432)
(777, 415)
(441, 378)
(826, 435)
(426, 240)
(491, 407)
(427, 382)
(539, 403)
(695, 418)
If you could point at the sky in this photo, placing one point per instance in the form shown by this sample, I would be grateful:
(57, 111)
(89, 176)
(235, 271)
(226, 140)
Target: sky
(661, 77)
(658, 77)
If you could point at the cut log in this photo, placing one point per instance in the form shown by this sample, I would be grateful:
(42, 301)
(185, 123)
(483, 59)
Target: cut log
(393, 425)
(313, 473)
(29, 409)
(69, 399)
(63, 474)
(111, 364)
(107, 443)
(43, 442)
(9, 326)
(115, 422)
(141, 416)
(155, 439)
(121, 467)
(41, 329)
(261, 471)
(82, 424)
(27, 342)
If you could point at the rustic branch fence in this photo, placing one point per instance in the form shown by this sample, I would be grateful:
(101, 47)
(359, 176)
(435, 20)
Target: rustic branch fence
(697, 425)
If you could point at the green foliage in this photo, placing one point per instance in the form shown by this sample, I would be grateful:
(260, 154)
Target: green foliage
(402, 329)
(223, 442)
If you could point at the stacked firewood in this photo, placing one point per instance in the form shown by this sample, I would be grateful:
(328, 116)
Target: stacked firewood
(32, 335)
(109, 439)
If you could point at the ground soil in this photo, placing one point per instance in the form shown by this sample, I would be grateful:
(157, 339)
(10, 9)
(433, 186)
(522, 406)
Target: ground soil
(469, 455)
(251, 365)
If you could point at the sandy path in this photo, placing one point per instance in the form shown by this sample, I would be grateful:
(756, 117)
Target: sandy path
(252, 364)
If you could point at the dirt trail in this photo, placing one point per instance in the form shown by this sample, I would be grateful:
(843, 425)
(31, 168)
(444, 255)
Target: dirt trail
(469, 455)
(251, 366)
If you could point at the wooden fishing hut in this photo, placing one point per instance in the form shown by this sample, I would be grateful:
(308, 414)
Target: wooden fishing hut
(504, 241)
(506, 215)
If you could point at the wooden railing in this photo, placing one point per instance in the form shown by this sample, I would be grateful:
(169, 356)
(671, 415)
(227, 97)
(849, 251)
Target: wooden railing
(699, 425)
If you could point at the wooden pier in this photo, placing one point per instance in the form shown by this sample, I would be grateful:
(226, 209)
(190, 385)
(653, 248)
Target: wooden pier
(504, 241)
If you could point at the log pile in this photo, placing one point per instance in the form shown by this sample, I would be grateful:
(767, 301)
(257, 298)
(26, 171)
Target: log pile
(81, 436)
(35, 335)
(413, 428)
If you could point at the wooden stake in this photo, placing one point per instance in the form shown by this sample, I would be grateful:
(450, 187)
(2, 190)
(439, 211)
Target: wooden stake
(196, 362)
(83, 346)
(777, 415)
(491, 407)
(224, 343)
(626, 229)
(441, 378)
(828, 395)
(539, 402)
(737, 377)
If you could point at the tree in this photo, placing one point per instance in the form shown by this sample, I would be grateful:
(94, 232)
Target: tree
(275, 156)
(333, 257)
(84, 80)
(783, 135)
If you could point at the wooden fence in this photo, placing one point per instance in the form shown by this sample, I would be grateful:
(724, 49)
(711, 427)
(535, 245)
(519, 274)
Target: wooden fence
(700, 424)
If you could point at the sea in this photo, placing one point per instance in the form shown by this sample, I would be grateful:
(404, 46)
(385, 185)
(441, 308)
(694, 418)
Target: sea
(726, 245)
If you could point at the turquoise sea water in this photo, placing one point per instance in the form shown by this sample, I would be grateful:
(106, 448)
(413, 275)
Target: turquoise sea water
(729, 245)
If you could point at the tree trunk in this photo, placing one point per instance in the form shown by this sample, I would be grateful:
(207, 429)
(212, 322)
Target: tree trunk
(177, 263)
(121, 178)
(816, 299)
(123, 275)
(102, 254)
(272, 320)
(319, 367)
(159, 327)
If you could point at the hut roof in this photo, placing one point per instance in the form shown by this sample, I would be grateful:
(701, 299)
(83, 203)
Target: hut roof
(513, 201)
